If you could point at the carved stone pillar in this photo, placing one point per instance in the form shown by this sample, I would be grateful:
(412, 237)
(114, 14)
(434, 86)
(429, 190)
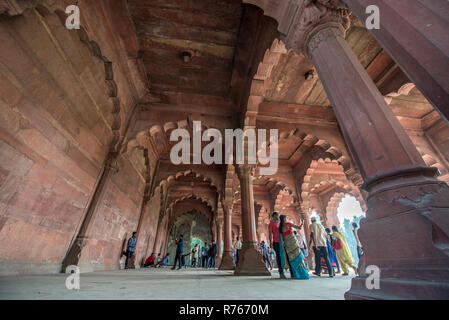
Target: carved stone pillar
(75, 250)
(250, 259)
(159, 234)
(219, 241)
(227, 262)
(406, 230)
(414, 33)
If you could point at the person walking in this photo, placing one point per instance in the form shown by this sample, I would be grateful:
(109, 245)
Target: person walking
(344, 256)
(179, 251)
(318, 243)
(331, 254)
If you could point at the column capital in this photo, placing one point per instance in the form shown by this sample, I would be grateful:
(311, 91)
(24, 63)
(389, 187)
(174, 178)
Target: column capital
(313, 17)
(16, 7)
(245, 170)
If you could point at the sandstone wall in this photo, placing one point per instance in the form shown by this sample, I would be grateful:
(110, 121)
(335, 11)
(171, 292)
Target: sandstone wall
(62, 105)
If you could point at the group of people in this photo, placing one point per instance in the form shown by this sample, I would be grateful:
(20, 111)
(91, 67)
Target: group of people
(157, 262)
(207, 255)
(266, 254)
(151, 261)
(201, 256)
(330, 248)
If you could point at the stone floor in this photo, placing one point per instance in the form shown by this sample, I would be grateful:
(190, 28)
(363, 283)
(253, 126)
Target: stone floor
(191, 284)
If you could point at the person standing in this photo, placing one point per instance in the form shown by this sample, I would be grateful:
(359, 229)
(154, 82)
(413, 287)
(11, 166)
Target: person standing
(289, 244)
(343, 253)
(179, 251)
(238, 247)
(195, 255)
(318, 242)
(272, 257)
(302, 246)
(130, 248)
(265, 255)
(331, 253)
(273, 232)
(205, 253)
(355, 231)
(212, 255)
(200, 256)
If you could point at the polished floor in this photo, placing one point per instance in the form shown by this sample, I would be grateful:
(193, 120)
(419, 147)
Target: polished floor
(189, 284)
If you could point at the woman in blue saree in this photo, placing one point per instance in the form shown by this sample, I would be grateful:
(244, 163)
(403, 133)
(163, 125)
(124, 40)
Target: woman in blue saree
(289, 248)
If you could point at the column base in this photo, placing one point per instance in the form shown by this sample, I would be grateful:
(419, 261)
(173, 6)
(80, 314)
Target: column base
(250, 262)
(405, 236)
(398, 289)
(227, 263)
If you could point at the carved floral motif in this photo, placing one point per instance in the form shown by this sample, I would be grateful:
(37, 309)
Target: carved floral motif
(313, 16)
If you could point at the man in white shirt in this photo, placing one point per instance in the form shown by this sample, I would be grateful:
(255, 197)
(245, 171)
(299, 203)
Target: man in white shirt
(318, 238)
(238, 247)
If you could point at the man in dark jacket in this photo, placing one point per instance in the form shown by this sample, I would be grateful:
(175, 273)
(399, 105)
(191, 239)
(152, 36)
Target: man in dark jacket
(212, 255)
(179, 251)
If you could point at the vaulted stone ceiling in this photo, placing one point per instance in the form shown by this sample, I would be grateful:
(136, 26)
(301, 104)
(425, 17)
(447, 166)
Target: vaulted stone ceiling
(206, 29)
(226, 41)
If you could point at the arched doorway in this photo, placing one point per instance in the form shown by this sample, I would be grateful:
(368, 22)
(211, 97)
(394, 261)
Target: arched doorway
(349, 211)
(195, 228)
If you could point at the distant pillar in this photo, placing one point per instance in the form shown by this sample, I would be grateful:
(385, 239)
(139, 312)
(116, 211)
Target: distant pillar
(227, 262)
(219, 241)
(250, 259)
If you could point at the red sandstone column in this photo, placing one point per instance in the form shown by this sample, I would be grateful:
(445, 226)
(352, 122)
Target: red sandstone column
(75, 250)
(227, 263)
(250, 260)
(405, 199)
(219, 240)
(159, 235)
(415, 34)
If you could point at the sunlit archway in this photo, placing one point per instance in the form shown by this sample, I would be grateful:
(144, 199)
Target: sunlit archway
(349, 211)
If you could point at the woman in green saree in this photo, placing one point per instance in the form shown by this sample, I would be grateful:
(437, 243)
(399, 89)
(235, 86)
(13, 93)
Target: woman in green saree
(289, 246)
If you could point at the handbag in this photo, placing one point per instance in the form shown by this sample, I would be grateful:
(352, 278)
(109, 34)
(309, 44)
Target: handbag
(338, 245)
